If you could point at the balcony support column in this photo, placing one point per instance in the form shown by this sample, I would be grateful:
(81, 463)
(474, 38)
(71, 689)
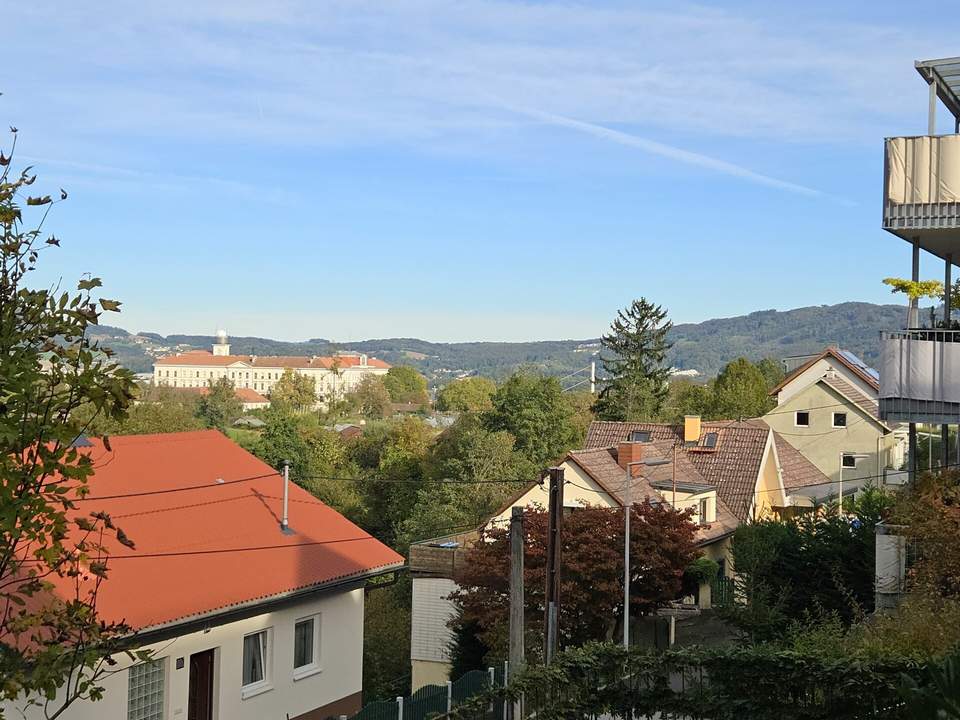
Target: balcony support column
(947, 300)
(913, 321)
(932, 111)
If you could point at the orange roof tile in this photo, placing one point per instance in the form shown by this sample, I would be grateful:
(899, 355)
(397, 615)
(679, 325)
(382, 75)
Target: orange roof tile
(157, 588)
(207, 358)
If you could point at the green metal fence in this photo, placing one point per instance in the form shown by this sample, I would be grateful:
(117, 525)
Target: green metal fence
(379, 710)
(721, 591)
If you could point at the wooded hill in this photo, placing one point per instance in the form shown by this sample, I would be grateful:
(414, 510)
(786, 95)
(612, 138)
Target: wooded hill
(704, 346)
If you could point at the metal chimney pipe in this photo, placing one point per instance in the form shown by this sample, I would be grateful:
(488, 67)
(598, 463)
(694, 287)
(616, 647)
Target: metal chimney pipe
(285, 523)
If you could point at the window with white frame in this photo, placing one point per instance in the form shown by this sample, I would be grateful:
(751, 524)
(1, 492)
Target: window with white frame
(839, 419)
(802, 418)
(256, 657)
(145, 691)
(306, 645)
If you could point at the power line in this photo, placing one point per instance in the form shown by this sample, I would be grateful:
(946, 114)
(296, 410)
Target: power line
(205, 486)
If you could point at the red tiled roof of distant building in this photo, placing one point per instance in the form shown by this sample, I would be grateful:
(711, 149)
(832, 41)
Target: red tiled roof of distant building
(201, 550)
(206, 358)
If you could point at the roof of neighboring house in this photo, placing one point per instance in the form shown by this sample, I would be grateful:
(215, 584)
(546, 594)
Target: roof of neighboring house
(869, 405)
(796, 471)
(205, 357)
(249, 421)
(602, 467)
(733, 466)
(204, 546)
(847, 359)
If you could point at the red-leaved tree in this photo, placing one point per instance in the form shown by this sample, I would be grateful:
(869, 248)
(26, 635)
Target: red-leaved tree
(591, 574)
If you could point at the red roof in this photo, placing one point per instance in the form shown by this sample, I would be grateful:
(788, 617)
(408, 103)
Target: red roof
(202, 550)
(205, 357)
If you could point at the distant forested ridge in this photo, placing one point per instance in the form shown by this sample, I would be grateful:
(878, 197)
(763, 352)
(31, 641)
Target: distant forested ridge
(706, 346)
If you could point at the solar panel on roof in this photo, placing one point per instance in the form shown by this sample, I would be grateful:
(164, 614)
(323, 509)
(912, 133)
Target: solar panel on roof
(81, 441)
(858, 363)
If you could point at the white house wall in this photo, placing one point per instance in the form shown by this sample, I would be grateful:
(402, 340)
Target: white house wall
(816, 371)
(339, 675)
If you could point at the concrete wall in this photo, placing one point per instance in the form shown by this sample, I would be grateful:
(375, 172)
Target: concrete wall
(338, 675)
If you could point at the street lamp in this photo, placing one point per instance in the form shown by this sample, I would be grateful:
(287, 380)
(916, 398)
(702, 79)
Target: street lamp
(855, 456)
(626, 543)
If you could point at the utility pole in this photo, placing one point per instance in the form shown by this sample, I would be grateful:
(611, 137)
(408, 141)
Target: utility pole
(674, 476)
(593, 377)
(285, 522)
(516, 600)
(552, 609)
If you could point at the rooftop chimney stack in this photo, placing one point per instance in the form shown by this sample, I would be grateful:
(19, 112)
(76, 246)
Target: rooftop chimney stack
(629, 452)
(691, 429)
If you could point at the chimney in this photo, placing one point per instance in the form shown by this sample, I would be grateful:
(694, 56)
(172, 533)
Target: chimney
(691, 429)
(629, 452)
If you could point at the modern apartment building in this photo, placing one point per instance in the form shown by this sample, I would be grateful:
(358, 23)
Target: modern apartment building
(920, 366)
(333, 375)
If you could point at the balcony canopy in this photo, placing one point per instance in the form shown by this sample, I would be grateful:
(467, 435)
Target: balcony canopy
(944, 74)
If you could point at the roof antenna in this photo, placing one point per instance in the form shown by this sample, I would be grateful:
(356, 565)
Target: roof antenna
(285, 522)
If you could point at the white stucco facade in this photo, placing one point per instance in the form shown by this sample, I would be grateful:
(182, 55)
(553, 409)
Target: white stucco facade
(335, 674)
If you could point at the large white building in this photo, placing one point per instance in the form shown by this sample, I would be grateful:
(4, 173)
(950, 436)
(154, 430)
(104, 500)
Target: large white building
(332, 376)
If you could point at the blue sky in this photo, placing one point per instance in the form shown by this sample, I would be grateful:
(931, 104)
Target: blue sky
(471, 170)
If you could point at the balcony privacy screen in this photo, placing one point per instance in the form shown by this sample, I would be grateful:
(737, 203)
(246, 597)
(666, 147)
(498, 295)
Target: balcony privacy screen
(923, 169)
(916, 369)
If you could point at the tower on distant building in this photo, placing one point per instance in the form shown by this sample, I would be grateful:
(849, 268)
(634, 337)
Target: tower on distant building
(221, 346)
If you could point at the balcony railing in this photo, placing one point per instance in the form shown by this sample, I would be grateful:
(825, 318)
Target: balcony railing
(922, 187)
(920, 376)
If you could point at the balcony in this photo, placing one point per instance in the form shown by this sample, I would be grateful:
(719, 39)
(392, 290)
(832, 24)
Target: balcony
(920, 376)
(921, 197)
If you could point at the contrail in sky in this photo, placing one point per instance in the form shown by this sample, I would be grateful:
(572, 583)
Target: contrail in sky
(668, 151)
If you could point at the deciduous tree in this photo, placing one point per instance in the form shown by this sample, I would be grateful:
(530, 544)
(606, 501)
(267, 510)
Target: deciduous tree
(54, 649)
(472, 394)
(662, 547)
(295, 391)
(406, 385)
(220, 406)
(740, 391)
(370, 398)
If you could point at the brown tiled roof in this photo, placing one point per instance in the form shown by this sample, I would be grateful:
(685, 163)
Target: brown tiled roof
(870, 406)
(601, 465)
(834, 354)
(733, 466)
(795, 470)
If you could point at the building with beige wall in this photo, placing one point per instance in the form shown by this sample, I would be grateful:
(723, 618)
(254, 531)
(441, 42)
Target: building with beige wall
(828, 410)
(244, 618)
(333, 376)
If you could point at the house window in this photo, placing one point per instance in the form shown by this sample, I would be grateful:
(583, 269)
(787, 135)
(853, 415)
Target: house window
(640, 436)
(802, 418)
(704, 511)
(839, 419)
(306, 646)
(710, 440)
(145, 697)
(255, 657)
(849, 461)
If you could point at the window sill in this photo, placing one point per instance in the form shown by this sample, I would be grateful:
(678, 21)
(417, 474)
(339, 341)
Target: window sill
(306, 671)
(250, 691)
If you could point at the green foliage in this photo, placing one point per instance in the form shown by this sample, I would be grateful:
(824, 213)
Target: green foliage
(294, 391)
(939, 697)
(370, 398)
(482, 460)
(686, 397)
(406, 385)
(386, 641)
(472, 394)
(635, 363)
(533, 410)
(467, 651)
(727, 683)
(50, 368)
(916, 289)
(661, 540)
(740, 391)
(581, 414)
(812, 565)
(220, 406)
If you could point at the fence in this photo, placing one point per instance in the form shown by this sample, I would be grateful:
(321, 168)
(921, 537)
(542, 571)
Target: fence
(721, 591)
(695, 684)
(435, 700)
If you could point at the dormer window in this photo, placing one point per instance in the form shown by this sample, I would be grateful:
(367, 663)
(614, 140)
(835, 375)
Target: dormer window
(640, 436)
